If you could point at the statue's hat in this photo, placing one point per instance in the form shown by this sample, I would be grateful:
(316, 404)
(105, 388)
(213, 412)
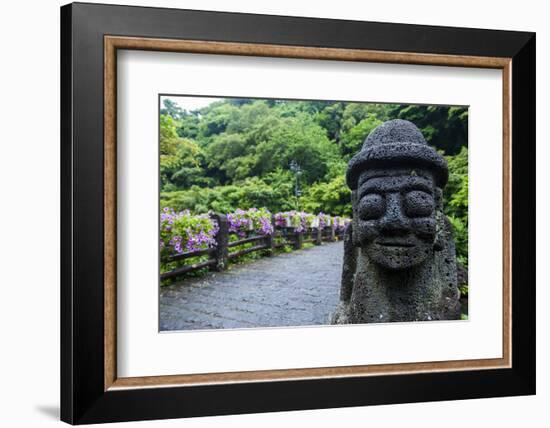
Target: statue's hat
(397, 143)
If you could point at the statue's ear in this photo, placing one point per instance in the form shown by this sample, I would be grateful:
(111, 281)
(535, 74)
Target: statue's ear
(354, 218)
(353, 198)
(439, 241)
(439, 225)
(438, 197)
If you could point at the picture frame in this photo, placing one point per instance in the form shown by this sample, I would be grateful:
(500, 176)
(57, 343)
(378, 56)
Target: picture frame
(91, 35)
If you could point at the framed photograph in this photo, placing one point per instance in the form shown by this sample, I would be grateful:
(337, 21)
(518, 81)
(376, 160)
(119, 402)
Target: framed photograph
(266, 213)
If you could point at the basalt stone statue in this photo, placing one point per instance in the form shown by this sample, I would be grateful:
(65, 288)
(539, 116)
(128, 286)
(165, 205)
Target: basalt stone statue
(399, 253)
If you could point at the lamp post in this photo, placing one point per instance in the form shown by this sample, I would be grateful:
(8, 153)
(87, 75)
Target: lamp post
(297, 170)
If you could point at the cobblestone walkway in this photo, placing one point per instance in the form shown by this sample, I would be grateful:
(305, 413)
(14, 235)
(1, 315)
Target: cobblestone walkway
(291, 289)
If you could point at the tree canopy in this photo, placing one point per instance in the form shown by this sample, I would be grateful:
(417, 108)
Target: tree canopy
(237, 153)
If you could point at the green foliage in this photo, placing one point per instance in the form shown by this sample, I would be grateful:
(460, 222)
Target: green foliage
(446, 128)
(460, 229)
(180, 158)
(463, 290)
(330, 118)
(299, 139)
(456, 192)
(352, 139)
(331, 197)
(170, 108)
(455, 202)
(216, 118)
(252, 192)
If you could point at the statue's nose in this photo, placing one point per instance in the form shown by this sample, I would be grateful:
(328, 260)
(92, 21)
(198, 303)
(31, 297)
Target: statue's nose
(393, 222)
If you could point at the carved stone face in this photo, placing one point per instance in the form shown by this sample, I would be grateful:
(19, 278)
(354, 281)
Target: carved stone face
(395, 212)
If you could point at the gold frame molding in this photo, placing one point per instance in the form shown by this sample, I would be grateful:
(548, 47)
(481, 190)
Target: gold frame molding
(113, 43)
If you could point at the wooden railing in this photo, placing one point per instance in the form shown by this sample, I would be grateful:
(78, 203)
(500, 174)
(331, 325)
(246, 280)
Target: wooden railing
(219, 256)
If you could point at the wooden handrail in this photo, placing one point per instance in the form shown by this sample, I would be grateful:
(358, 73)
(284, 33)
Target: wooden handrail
(187, 268)
(190, 254)
(246, 241)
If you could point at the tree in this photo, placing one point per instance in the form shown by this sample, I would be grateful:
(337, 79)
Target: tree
(330, 118)
(188, 125)
(332, 197)
(215, 118)
(444, 127)
(179, 158)
(229, 158)
(353, 138)
(171, 109)
(297, 139)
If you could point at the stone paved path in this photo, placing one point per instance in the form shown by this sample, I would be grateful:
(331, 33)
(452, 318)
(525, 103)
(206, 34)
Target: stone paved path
(291, 289)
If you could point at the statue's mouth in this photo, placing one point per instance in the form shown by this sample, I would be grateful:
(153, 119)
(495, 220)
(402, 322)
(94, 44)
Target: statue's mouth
(391, 243)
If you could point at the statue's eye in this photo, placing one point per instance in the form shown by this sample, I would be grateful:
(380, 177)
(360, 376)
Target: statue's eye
(372, 206)
(418, 204)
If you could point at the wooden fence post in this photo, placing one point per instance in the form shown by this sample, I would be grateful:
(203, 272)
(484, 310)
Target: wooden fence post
(331, 235)
(270, 239)
(221, 253)
(318, 236)
(298, 239)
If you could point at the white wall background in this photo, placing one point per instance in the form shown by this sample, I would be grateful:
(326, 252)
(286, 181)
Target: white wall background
(29, 218)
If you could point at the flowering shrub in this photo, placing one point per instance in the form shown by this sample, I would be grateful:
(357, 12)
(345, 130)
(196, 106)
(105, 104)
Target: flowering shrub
(282, 219)
(324, 220)
(254, 219)
(300, 220)
(340, 223)
(182, 232)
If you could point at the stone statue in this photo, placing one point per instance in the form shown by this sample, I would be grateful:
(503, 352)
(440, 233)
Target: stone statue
(399, 253)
